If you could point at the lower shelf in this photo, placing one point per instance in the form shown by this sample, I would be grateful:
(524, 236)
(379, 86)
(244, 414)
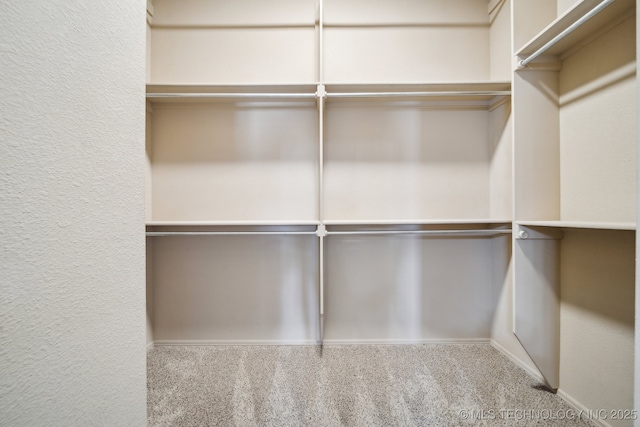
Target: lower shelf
(377, 288)
(234, 287)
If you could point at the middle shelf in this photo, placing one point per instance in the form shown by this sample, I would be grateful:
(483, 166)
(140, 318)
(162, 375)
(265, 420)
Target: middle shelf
(309, 153)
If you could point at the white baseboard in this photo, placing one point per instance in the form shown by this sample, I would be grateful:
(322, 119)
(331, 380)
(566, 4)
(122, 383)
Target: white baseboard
(580, 408)
(150, 345)
(531, 371)
(166, 343)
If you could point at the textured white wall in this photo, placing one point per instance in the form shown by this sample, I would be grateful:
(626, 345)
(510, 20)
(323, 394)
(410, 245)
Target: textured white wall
(636, 387)
(72, 326)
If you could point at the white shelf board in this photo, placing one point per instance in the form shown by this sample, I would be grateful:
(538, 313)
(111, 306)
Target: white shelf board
(580, 224)
(419, 222)
(611, 13)
(211, 92)
(419, 86)
(485, 232)
(228, 223)
(240, 88)
(479, 91)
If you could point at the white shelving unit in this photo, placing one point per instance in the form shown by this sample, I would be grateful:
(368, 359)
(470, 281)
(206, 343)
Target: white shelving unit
(259, 131)
(347, 171)
(574, 93)
(580, 165)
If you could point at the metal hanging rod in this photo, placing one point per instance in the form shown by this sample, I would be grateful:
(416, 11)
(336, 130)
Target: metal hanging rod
(231, 95)
(424, 232)
(228, 233)
(419, 94)
(593, 12)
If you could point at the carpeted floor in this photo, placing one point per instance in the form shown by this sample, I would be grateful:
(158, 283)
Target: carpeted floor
(364, 385)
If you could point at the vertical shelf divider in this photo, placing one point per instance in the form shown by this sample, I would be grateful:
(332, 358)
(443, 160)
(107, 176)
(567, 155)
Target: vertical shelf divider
(321, 230)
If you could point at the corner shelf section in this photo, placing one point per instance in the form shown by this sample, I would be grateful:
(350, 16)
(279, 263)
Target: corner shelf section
(578, 169)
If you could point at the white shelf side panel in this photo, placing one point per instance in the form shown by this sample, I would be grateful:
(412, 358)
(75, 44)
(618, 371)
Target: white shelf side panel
(236, 288)
(597, 314)
(406, 41)
(537, 303)
(233, 42)
(148, 181)
(501, 159)
(598, 129)
(149, 308)
(500, 40)
(408, 288)
(148, 52)
(396, 162)
(536, 146)
(228, 162)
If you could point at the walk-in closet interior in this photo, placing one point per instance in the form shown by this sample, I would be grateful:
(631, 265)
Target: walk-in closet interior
(407, 171)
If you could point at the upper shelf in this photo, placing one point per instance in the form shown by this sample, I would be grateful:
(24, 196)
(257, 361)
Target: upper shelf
(232, 14)
(618, 9)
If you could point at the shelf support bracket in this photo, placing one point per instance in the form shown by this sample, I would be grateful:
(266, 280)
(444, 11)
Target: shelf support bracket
(321, 92)
(537, 233)
(321, 231)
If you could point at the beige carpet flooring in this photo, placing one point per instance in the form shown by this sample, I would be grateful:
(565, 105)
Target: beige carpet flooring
(359, 385)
